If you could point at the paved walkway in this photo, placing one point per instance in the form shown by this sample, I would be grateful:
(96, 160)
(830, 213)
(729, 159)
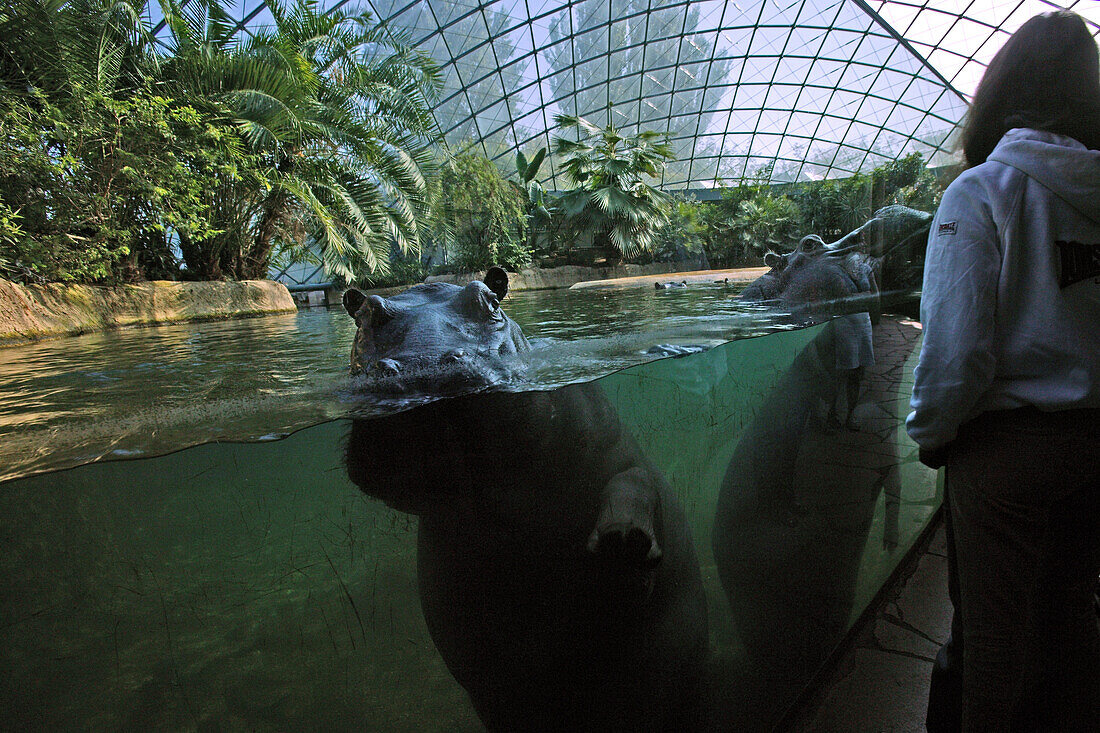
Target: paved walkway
(741, 275)
(880, 684)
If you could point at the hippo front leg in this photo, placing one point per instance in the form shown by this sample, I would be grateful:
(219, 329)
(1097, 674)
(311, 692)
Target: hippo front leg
(624, 541)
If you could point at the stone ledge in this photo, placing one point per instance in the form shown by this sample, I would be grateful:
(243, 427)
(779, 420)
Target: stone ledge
(33, 312)
(564, 276)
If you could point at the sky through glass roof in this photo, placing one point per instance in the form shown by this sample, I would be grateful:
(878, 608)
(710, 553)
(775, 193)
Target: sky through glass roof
(788, 89)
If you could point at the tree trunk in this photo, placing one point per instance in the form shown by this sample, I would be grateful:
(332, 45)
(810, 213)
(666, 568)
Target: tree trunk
(201, 258)
(254, 266)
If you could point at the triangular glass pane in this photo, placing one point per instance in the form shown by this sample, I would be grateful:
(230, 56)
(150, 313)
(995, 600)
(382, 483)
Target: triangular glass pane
(858, 77)
(750, 96)
(851, 16)
(758, 71)
(735, 41)
(781, 12)
(793, 69)
(709, 13)
(782, 96)
(769, 41)
(744, 12)
(691, 76)
(840, 45)
(625, 90)
(654, 110)
(694, 47)
(666, 22)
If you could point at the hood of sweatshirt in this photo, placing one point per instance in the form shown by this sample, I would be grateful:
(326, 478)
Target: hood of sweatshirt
(1063, 165)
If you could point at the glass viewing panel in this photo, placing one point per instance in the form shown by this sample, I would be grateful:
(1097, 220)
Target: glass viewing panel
(687, 538)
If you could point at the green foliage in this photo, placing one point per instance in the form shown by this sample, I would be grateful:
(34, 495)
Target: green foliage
(766, 222)
(685, 235)
(479, 215)
(337, 108)
(836, 207)
(612, 200)
(404, 270)
(114, 150)
(539, 209)
(749, 220)
(755, 217)
(99, 184)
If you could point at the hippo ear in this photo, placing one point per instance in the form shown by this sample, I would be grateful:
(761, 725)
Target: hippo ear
(353, 300)
(497, 280)
(774, 261)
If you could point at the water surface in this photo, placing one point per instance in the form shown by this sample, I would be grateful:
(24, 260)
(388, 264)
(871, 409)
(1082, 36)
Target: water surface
(145, 391)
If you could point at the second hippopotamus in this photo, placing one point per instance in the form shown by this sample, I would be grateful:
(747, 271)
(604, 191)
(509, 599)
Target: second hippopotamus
(860, 264)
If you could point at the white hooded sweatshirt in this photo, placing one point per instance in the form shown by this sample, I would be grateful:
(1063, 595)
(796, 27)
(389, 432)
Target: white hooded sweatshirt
(1011, 301)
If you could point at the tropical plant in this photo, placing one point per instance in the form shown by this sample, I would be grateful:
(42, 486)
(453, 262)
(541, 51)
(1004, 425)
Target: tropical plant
(539, 208)
(338, 108)
(116, 151)
(612, 200)
(65, 49)
(833, 208)
(684, 236)
(478, 214)
(72, 97)
(767, 222)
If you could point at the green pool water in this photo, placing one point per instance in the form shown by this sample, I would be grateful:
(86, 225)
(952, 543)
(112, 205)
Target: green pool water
(216, 582)
(139, 392)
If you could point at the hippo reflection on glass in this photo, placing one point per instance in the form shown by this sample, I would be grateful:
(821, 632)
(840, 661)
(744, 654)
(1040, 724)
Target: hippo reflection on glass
(878, 256)
(797, 501)
(556, 571)
(846, 279)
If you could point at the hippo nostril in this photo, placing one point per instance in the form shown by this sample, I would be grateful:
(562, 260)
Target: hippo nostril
(388, 366)
(452, 356)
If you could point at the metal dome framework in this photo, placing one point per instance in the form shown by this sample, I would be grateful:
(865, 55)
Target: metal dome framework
(776, 90)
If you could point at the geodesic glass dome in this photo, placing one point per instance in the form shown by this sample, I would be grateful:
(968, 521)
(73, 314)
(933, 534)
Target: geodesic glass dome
(787, 90)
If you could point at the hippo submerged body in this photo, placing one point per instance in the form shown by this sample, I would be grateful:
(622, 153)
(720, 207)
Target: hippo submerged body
(556, 572)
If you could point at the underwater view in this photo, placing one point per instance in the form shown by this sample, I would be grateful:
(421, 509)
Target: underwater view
(211, 527)
(542, 367)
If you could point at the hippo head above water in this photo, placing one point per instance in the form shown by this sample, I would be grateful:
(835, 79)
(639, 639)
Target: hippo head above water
(816, 272)
(436, 337)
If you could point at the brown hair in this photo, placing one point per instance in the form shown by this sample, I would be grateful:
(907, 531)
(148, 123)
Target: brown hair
(1047, 77)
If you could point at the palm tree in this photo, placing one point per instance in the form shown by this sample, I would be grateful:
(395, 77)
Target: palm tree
(611, 198)
(66, 49)
(336, 107)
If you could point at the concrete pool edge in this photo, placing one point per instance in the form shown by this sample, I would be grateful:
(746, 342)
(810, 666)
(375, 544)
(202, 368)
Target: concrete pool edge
(31, 313)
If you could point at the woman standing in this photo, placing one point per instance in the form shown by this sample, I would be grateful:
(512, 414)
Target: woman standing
(1007, 391)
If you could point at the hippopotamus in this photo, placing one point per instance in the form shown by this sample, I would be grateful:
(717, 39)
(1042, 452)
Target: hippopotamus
(816, 275)
(556, 571)
(462, 340)
(670, 285)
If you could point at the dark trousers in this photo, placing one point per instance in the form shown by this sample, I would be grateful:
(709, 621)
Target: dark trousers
(1023, 489)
